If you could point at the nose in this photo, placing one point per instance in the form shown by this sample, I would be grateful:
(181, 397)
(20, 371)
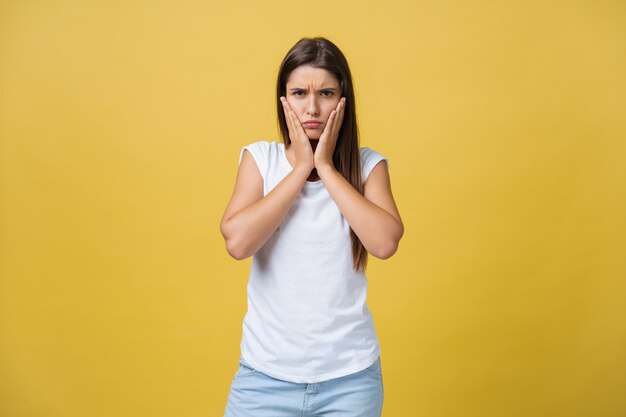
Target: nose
(313, 106)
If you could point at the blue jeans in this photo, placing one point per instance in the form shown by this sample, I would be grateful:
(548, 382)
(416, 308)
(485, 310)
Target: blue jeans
(254, 394)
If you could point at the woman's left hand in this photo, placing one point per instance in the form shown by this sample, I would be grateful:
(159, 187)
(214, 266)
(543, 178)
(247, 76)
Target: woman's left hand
(323, 157)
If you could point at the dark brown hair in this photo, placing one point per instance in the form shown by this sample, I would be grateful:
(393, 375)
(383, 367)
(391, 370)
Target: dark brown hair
(322, 53)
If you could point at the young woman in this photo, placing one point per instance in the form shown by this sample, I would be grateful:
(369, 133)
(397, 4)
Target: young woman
(309, 210)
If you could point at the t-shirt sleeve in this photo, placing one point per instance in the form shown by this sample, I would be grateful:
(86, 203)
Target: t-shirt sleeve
(259, 151)
(369, 159)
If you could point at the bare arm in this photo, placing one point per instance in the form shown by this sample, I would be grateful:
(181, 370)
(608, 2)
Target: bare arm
(250, 218)
(373, 216)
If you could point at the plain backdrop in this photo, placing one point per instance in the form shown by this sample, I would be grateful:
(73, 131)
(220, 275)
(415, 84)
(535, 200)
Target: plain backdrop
(121, 124)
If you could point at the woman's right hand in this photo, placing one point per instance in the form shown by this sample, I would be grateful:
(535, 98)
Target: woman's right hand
(299, 139)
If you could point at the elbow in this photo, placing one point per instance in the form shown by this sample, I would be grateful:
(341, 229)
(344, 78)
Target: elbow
(388, 247)
(234, 246)
(236, 251)
(385, 250)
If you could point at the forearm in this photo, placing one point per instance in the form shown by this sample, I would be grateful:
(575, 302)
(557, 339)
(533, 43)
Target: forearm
(378, 230)
(246, 231)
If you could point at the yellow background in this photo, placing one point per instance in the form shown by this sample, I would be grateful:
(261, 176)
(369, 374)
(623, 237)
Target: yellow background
(121, 124)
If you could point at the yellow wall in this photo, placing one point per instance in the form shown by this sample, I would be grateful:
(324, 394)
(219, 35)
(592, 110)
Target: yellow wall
(121, 124)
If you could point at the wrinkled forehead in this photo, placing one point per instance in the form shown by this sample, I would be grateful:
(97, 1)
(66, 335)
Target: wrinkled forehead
(309, 76)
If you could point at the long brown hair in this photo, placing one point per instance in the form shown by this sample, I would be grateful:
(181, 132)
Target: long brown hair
(322, 53)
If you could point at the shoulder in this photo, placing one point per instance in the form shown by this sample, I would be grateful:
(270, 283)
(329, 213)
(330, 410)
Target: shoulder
(369, 159)
(254, 147)
(260, 149)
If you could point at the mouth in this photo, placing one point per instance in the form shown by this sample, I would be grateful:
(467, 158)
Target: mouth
(312, 125)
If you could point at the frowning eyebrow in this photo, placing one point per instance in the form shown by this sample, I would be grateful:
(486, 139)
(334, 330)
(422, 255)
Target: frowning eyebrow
(306, 89)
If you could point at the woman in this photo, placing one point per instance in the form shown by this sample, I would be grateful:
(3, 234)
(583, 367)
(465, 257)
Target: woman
(309, 210)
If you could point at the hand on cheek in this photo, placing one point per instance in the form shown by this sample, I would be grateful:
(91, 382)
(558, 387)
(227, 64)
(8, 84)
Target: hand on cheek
(328, 139)
(299, 140)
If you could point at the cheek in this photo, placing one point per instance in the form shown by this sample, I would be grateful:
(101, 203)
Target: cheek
(294, 106)
(329, 110)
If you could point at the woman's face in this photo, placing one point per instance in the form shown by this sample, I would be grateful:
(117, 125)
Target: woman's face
(312, 93)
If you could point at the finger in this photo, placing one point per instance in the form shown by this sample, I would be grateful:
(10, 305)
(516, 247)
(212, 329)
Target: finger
(340, 116)
(287, 118)
(291, 112)
(343, 108)
(286, 105)
(335, 115)
(329, 128)
(298, 126)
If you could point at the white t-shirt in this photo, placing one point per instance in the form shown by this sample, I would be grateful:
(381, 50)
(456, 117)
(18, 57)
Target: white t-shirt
(307, 318)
